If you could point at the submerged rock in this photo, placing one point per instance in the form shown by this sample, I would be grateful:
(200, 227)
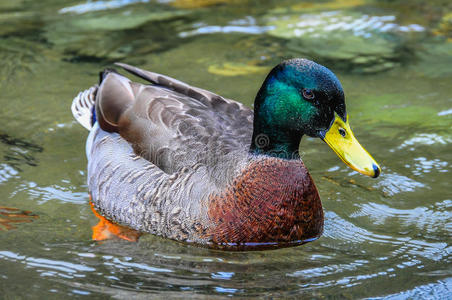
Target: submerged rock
(351, 40)
(197, 3)
(435, 54)
(18, 56)
(236, 69)
(110, 33)
(445, 27)
(17, 22)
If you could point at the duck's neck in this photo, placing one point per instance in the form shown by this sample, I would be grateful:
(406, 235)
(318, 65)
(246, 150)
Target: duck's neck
(271, 141)
(274, 130)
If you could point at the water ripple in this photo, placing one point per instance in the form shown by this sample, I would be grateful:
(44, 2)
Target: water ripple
(48, 267)
(226, 29)
(426, 139)
(7, 172)
(53, 192)
(342, 230)
(423, 165)
(445, 112)
(429, 219)
(142, 267)
(323, 23)
(98, 5)
(393, 183)
(329, 269)
(441, 289)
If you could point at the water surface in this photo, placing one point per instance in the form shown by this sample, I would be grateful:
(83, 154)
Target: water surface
(388, 237)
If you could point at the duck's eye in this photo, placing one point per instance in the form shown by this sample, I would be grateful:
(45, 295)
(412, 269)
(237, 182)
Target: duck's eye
(308, 94)
(342, 132)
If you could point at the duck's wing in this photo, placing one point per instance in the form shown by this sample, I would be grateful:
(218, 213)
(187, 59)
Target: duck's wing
(171, 123)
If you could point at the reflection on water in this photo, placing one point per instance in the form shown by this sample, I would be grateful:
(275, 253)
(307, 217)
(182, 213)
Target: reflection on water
(7, 172)
(423, 165)
(98, 5)
(392, 184)
(323, 23)
(438, 290)
(384, 237)
(424, 139)
(226, 29)
(377, 41)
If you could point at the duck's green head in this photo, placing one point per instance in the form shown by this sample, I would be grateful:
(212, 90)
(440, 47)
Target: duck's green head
(302, 97)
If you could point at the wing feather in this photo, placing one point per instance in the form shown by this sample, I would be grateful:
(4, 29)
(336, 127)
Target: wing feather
(174, 125)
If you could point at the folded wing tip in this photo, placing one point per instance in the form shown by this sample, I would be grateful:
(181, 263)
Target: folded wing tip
(82, 107)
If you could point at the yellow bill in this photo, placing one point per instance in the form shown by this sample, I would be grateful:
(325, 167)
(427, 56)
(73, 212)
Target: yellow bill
(341, 139)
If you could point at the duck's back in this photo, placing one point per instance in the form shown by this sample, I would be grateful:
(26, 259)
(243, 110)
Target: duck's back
(170, 123)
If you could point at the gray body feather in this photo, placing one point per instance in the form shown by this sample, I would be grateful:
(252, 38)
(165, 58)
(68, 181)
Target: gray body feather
(163, 150)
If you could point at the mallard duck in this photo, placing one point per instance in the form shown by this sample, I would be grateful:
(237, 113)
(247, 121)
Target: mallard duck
(184, 163)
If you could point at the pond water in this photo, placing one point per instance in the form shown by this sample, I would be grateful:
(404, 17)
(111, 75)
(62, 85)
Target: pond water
(385, 237)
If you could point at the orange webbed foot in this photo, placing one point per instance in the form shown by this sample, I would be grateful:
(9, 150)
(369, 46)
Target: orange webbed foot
(10, 216)
(106, 230)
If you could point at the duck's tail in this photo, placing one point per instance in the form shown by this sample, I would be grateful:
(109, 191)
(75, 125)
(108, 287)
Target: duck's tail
(111, 105)
(83, 107)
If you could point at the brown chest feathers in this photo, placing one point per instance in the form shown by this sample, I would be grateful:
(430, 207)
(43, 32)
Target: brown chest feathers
(273, 203)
